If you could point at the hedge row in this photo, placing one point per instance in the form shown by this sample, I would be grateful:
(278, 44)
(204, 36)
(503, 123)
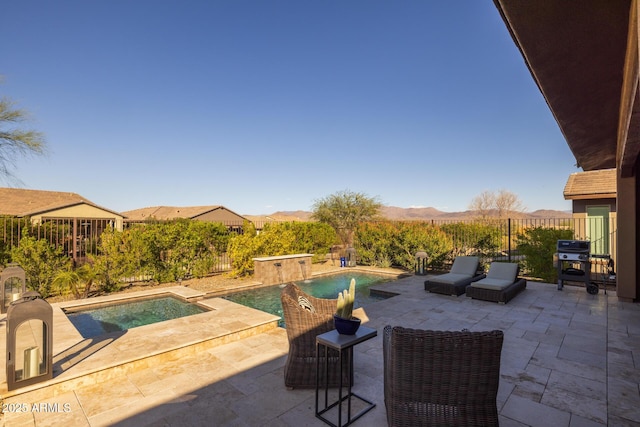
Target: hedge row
(169, 251)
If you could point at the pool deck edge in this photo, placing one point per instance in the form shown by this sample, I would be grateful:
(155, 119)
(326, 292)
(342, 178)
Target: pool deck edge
(79, 361)
(178, 291)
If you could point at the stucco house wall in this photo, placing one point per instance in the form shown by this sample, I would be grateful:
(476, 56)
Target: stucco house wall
(213, 213)
(80, 212)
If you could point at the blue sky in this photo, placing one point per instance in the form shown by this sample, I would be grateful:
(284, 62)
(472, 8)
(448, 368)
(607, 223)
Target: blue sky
(265, 106)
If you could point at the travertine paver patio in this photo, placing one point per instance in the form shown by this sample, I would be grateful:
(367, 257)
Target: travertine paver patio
(569, 359)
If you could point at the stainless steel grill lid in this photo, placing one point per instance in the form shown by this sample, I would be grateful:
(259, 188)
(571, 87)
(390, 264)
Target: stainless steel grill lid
(574, 246)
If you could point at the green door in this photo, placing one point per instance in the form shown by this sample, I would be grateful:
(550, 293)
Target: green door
(598, 229)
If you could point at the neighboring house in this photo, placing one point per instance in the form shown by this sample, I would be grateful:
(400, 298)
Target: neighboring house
(40, 206)
(213, 213)
(259, 221)
(593, 197)
(77, 221)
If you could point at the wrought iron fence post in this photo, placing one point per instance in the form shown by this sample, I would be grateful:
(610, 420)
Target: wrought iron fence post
(509, 239)
(74, 243)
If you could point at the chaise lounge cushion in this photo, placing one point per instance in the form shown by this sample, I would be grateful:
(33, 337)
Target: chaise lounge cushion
(500, 276)
(501, 284)
(463, 271)
(466, 265)
(496, 284)
(450, 278)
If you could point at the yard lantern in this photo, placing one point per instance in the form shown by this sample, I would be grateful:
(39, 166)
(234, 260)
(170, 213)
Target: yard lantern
(29, 341)
(12, 284)
(421, 263)
(351, 257)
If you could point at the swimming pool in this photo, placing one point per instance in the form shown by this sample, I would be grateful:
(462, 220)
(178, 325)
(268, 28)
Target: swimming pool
(120, 317)
(268, 298)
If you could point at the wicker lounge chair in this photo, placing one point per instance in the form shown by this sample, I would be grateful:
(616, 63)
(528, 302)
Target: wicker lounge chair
(438, 378)
(501, 284)
(462, 273)
(306, 317)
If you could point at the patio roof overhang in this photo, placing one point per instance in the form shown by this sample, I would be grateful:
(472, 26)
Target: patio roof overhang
(576, 51)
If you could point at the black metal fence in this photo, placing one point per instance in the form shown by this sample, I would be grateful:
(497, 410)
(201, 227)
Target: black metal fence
(80, 237)
(600, 231)
(76, 237)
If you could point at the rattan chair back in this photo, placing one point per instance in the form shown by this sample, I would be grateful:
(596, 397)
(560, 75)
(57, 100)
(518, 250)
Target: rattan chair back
(305, 318)
(440, 378)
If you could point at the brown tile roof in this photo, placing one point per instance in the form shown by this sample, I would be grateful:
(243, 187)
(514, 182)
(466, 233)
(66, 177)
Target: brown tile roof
(21, 202)
(598, 184)
(168, 212)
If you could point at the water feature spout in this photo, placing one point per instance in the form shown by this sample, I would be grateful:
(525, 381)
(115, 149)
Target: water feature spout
(304, 271)
(278, 267)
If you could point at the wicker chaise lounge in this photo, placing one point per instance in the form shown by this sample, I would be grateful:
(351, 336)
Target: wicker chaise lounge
(306, 317)
(462, 273)
(501, 284)
(438, 378)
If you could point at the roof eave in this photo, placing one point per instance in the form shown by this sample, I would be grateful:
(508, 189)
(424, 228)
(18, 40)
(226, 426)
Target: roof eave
(590, 196)
(575, 52)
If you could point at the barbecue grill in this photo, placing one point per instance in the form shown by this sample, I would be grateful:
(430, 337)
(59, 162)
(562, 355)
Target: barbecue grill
(574, 264)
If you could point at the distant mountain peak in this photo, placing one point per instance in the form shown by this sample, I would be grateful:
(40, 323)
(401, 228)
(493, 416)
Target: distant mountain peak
(412, 213)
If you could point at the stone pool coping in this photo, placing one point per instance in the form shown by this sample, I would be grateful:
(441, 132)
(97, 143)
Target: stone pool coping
(184, 293)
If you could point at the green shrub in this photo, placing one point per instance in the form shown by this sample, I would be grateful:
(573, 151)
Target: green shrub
(114, 260)
(180, 248)
(312, 238)
(420, 236)
(164, 251)
(473, 238)
(273, 240)
(242, 249)
(77, 282)
(5, 253)
(537, 245)
(382, 243)
(374, 243)
(284, 238)
(41, 263)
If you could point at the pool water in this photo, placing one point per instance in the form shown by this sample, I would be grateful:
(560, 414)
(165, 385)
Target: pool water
(268, 298)
(120, 317)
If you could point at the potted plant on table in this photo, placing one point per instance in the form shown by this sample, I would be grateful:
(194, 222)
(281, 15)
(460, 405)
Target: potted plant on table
(343, 320)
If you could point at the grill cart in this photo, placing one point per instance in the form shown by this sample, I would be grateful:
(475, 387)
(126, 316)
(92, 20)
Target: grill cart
(574, 264)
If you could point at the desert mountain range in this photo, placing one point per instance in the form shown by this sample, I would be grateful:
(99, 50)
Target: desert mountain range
(396, 213)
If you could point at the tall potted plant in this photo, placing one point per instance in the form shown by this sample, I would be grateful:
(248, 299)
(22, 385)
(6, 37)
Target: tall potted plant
(343, 320)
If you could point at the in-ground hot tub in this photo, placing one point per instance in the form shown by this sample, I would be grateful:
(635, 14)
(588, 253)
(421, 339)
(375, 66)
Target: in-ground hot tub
(103, 318)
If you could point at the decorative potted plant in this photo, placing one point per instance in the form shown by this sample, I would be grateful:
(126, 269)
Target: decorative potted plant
(343, 320)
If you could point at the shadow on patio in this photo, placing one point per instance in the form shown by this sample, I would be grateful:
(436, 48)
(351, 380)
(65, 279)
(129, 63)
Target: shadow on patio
(568, 360)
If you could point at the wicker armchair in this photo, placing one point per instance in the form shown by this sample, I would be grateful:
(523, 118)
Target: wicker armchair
(438, 378)
(306, 317)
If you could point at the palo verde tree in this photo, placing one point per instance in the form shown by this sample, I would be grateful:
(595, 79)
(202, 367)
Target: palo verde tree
(15, 141)
(344, 210)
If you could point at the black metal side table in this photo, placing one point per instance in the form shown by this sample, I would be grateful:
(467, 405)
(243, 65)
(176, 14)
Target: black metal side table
(344, 345)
